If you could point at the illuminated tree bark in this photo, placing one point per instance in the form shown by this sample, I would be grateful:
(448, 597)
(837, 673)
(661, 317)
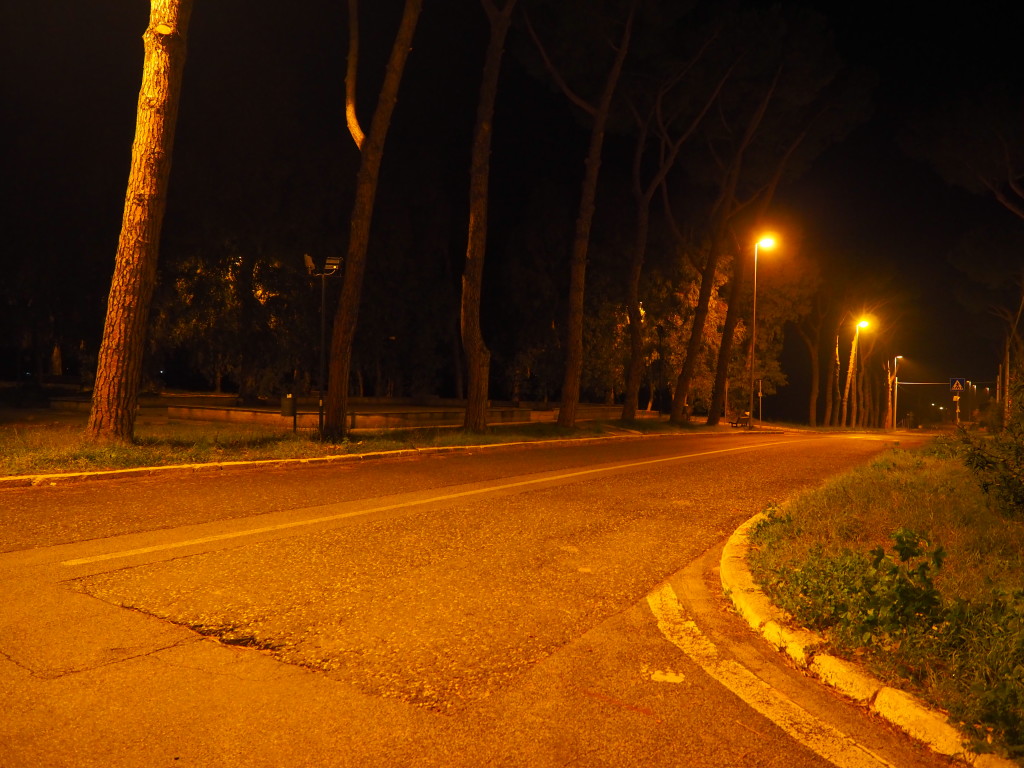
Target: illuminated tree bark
(732, 319)
(372, 149)
(478, 357)
(119, 367)
(850, 375)
(890, 416)
(679, 413)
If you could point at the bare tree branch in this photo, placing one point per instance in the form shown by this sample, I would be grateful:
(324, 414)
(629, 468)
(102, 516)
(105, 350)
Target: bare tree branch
(351, 118)
(1001, 197)
(570, 94)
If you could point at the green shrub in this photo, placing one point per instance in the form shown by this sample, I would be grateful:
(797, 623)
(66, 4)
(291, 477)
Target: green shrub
(873, 600)
(966, 657)
(998, 464)
(998, 461)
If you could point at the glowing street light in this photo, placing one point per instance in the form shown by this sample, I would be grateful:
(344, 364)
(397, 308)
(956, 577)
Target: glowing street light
(767, 242)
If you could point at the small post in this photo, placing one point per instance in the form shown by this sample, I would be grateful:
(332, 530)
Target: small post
(330, 267)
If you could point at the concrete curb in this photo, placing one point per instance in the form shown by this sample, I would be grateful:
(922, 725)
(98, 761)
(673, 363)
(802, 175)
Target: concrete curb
(63, 478)
(898, 707)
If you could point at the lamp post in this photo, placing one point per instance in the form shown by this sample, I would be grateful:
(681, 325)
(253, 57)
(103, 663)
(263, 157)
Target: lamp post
(330, 267)
(895, 390)
(767, 242)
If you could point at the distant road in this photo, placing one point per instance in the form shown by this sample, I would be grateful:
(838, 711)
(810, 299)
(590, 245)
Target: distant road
(487, 607)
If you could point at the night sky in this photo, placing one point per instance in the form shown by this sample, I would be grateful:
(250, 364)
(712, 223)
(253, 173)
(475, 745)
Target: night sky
(265, 79)
(892, 213)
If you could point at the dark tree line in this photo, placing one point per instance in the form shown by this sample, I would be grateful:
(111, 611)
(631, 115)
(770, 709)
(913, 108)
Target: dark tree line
(615, 174)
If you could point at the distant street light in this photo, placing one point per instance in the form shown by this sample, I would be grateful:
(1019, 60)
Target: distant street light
(767, 242)
(330, 267)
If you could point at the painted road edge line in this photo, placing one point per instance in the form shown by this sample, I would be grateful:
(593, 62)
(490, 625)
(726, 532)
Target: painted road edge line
(898, 707)
(413, 503)
(824, 740)
(63, 478)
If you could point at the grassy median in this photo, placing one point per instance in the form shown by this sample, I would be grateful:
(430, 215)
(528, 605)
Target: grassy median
(54, 446)
(910, 567)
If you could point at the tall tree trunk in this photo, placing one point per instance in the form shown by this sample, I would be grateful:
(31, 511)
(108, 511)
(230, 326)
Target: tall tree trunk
(864, 406)
(581, 238)
(812, 399)
(119, 366)
(835, 371)
(830, 386)
(457, 364)
(725, 346)
(875, 400)
(853, 397)
(723, 210)
(890, 419)
(813, 344)
(870, 402)
(372, 149)
(478, 357)
(849, 380)
(695, 345)
(732, 317)
(1006, 382)
(643, 197)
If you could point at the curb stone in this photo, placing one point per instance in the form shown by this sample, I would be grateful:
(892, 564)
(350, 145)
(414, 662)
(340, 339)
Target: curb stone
(63, 478)
(898, 707)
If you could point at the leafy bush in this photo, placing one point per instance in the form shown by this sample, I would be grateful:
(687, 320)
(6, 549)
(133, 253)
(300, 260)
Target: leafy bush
(967, 657)
(865, 600)
(998, 464)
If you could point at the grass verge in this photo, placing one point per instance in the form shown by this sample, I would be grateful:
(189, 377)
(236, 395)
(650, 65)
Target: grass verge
(908, 567)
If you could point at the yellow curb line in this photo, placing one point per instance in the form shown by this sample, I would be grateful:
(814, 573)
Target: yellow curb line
(898, 707)
(60, 478)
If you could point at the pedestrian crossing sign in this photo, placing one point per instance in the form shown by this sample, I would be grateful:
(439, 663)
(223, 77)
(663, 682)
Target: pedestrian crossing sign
(957, 385)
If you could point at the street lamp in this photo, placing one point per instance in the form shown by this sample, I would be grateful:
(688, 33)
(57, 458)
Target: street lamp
(330, 267)
(767, 242)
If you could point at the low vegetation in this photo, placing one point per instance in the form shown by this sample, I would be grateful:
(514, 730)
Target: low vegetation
(914, 566)
(27, 449)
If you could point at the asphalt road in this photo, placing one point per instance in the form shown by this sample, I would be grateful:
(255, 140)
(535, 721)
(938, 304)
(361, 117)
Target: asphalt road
(487, 607)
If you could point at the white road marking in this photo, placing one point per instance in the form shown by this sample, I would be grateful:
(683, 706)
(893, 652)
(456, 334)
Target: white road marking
(820, 737)
(401, 505)
(661, 675)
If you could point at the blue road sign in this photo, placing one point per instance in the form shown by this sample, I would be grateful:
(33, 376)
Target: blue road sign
(957, 385)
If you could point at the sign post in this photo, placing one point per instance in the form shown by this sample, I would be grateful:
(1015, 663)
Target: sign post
(957, 387)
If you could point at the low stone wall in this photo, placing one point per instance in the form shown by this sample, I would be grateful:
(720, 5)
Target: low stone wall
(356, 419)
(382, 417)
